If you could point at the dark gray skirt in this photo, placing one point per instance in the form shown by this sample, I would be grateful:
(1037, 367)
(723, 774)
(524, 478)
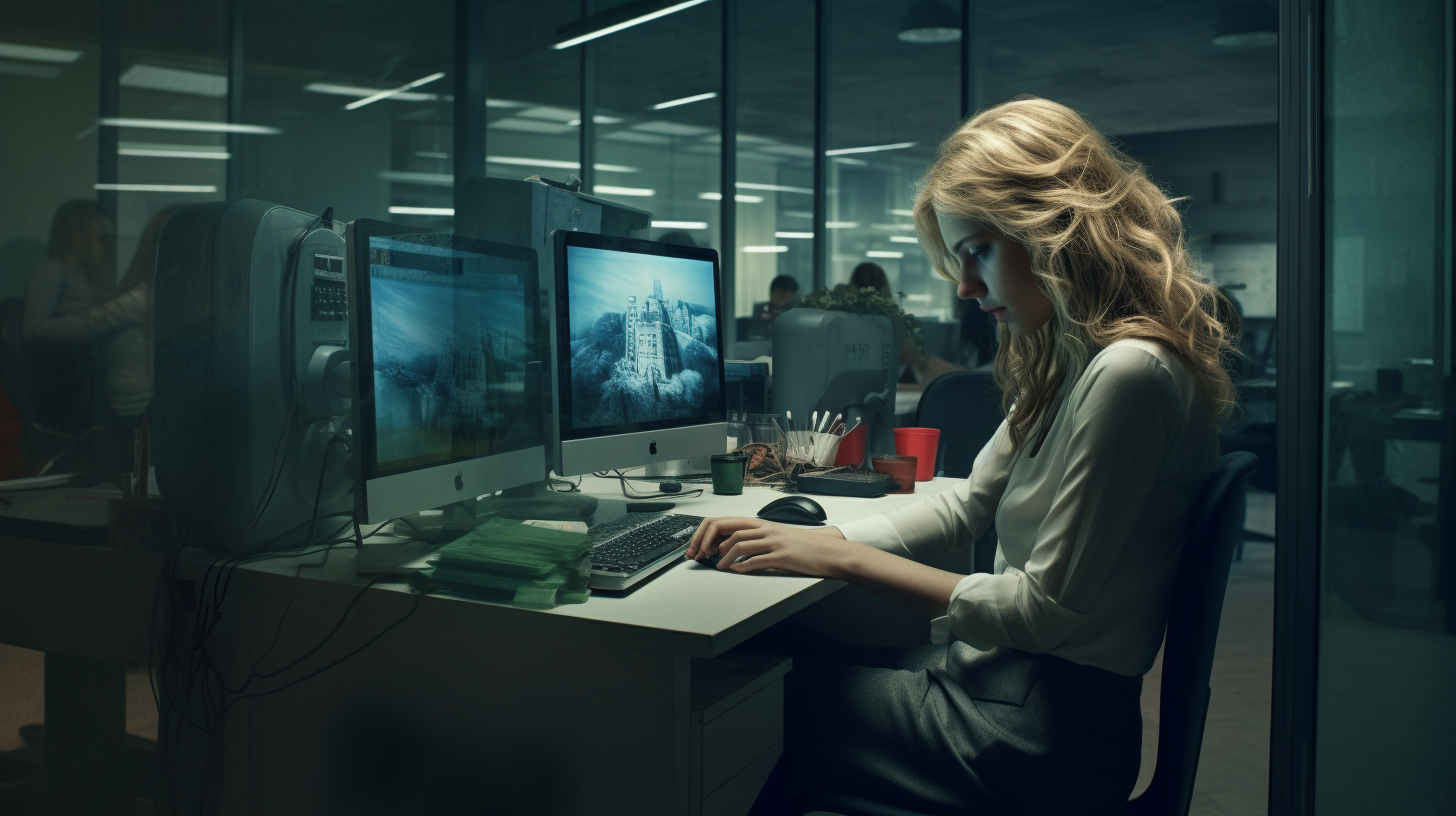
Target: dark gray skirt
(952, 730)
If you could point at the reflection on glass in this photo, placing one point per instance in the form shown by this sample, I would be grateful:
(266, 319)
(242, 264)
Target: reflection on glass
(1386, 653)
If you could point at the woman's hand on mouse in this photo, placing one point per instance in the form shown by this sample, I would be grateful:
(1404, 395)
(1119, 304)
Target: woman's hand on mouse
(782, 547)
(714, 531)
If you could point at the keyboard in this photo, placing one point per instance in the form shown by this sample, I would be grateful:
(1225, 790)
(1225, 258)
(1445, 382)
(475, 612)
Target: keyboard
(628, 551)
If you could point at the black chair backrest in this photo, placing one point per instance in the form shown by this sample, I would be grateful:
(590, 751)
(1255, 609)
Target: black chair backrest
(966, 407)
(1193, 615)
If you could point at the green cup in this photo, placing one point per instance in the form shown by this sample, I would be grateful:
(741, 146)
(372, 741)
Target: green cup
(728, 470)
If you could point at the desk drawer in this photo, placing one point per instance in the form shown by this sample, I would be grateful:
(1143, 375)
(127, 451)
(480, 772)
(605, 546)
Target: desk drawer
(737, 730)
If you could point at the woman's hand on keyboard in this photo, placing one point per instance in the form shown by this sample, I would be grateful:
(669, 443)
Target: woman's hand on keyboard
(714, 530)
(767, 545)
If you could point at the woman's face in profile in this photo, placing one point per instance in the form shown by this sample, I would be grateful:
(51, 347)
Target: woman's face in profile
(995, 271)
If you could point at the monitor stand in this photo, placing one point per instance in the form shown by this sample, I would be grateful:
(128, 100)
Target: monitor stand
(538, 501)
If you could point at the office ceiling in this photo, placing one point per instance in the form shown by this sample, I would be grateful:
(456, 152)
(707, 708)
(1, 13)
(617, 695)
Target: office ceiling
(1133, 66)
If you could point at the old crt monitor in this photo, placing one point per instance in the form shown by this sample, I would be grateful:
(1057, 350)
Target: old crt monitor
(639, 353)
(444, 335)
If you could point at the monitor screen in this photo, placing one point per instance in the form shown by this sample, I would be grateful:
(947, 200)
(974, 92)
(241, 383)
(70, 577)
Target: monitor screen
(642, 324)
(451, 356)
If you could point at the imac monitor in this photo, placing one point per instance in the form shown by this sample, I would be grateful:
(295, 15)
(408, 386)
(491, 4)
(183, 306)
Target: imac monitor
(639, 353)
(447, 368)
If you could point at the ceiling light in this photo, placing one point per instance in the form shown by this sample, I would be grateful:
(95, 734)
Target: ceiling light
(180, 124)
(739, 197)
(408, 177)
(799, 213)
(904, 239)
(672, 103)
(840, 224)
(615, 27)
(607, 189)
(385, 94)
(358, 92)
(1247, 25)
(777, 188)
(598, 118)
(765, 249)
(166, 151)
(156, 78)
(793, 235)
(869, 149)
(680, 224)
(505, 103)
(25, 69)
(421, 210)
(157, 188)
(930, 22)
(38, 53)
(849, 161)
(879, 253)
(559, 164)
(906, 213)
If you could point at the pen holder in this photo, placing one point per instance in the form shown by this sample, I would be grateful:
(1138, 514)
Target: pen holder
(809, 447)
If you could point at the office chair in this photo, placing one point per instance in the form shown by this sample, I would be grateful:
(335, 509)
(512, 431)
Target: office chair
(966, 407)
(1193, 615)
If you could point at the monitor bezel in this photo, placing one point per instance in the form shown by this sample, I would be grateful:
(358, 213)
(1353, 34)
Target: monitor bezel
(361, 338)
(564, 239)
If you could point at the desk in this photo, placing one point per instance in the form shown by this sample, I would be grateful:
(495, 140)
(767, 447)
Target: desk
(464, 702)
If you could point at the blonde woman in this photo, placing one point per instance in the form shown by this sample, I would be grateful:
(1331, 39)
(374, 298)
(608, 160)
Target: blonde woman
(1111, 361)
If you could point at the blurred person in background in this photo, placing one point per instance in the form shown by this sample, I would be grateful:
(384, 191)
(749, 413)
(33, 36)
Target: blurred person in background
(63, 321)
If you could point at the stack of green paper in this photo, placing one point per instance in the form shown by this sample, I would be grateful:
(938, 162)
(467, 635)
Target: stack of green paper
(517, 562)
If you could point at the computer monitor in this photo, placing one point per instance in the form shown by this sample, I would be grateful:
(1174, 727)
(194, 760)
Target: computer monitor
(639, 353)
(447, 368)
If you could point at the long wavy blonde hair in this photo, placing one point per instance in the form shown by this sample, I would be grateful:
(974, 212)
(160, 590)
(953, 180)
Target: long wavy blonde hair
(1106, 246)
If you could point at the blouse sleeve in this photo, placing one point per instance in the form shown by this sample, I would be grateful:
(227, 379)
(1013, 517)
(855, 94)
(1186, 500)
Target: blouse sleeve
(947, 521)
(1125, 414)
(125, 310)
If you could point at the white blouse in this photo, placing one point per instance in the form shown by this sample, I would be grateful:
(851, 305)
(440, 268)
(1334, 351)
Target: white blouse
(1090, 528)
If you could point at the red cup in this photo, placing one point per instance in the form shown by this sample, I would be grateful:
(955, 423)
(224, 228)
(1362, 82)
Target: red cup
(852, 448)
(921, 443)
(900, 469)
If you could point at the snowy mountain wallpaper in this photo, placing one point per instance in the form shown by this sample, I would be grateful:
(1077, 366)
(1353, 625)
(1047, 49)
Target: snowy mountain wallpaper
(644, 338)
(450, 359)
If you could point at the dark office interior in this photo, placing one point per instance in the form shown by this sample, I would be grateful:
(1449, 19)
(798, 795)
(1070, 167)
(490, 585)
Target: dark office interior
(1308, 145)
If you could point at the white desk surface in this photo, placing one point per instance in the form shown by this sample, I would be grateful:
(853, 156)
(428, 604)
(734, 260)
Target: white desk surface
(687, 609)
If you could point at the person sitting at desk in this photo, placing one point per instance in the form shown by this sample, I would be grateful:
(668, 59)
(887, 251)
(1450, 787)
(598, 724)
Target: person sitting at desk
(1110, 361)
(782, 293)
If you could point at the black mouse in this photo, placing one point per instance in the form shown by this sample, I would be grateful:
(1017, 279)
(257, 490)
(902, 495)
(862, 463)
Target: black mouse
(794, 510)
(712, 560)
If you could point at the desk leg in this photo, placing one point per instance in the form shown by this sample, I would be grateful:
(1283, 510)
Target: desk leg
(85, 734)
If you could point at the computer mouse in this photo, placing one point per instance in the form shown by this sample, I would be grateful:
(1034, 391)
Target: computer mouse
(794, 510)
(711, 562)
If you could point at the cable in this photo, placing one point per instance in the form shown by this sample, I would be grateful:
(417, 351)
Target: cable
(634, 494)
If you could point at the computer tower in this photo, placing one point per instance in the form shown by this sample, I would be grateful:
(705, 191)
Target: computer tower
(250, 436)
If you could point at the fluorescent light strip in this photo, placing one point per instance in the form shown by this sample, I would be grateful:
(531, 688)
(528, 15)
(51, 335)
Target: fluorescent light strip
(421, 210)
(904, 239)
(765, 249)
(179, 124)
(879, 253)
(680, 224)
(793, 235)
(557, 163)
(355, 105)
(607, 189)
(157, 188)
(355, 91)
(777, 188)
(869, 149)
(39, 53)
(173, 153)
(672, 103)
(614, 28)
(906, 213)
(840, 224)
(739, 197)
